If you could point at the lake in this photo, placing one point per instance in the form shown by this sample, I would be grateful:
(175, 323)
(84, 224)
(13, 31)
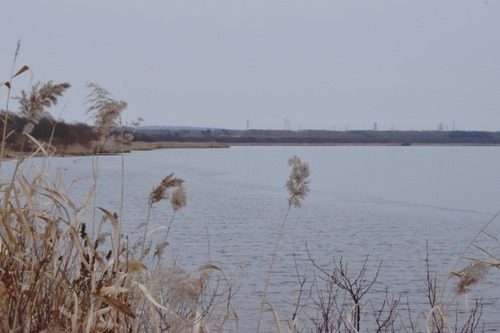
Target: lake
(386, 202)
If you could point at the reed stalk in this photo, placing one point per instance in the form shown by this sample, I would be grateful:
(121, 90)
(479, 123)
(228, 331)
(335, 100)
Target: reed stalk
(298, 187)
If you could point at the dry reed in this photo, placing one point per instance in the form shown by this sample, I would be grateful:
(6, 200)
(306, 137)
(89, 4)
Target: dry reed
(32, 105)
(106, 111)
(65, 264)
(298, 187)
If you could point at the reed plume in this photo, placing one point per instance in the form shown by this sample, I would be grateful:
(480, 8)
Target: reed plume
(471, 275)
(298, 182)
(32, 105)
(179, 198)
(105, 110)
(158, 194)
(298, 187)
(177, 201)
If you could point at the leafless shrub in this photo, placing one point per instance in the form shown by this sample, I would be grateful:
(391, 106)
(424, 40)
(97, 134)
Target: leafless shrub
(354, 287)
(386, 314)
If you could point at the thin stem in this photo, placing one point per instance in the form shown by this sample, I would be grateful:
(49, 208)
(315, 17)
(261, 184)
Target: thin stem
(146, 230)
(273, 259)
(95, 176)
(170, 225)
(6, 116)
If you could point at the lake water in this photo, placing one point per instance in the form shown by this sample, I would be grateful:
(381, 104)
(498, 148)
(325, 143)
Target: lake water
(388, 202)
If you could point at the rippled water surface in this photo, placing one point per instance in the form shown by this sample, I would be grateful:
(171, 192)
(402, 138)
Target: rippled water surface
(388, 202)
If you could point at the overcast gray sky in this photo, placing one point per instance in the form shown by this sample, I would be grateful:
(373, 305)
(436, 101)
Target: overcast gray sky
(319, 64)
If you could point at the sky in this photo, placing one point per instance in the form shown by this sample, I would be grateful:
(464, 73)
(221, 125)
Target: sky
(274, 64)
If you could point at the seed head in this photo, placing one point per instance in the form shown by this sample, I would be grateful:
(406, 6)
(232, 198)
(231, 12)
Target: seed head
(471, 275)
(160, 248)
(32, 105)
(160, 192)
(298, 182)
(178, 199)
(105, 109)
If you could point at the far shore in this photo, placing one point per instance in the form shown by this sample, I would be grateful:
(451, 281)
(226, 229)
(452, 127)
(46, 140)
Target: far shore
(375, 144)
(78, 150)
(145, 146)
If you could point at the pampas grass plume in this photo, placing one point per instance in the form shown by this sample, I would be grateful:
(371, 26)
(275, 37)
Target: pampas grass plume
(178, 199)
(160, 192)
(471, 275)
(298, 182)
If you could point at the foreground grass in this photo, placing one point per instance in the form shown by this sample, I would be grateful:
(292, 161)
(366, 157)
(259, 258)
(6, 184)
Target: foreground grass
(65, 264)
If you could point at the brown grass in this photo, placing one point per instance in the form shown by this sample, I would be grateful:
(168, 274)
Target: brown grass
(65, 265)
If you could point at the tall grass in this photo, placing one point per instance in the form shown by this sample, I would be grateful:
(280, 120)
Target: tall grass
(65, 265)
(298, 187)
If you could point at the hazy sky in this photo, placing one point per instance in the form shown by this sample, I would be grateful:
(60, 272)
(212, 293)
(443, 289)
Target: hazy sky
(319, 64)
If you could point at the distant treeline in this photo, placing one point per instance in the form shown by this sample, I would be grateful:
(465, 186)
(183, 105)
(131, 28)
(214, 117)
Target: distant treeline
(319, 136)
(59, 133)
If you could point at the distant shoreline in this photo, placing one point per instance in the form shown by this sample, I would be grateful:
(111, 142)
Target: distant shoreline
(147, 146)
(141, 145)
(370, 144)
(78, 150)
